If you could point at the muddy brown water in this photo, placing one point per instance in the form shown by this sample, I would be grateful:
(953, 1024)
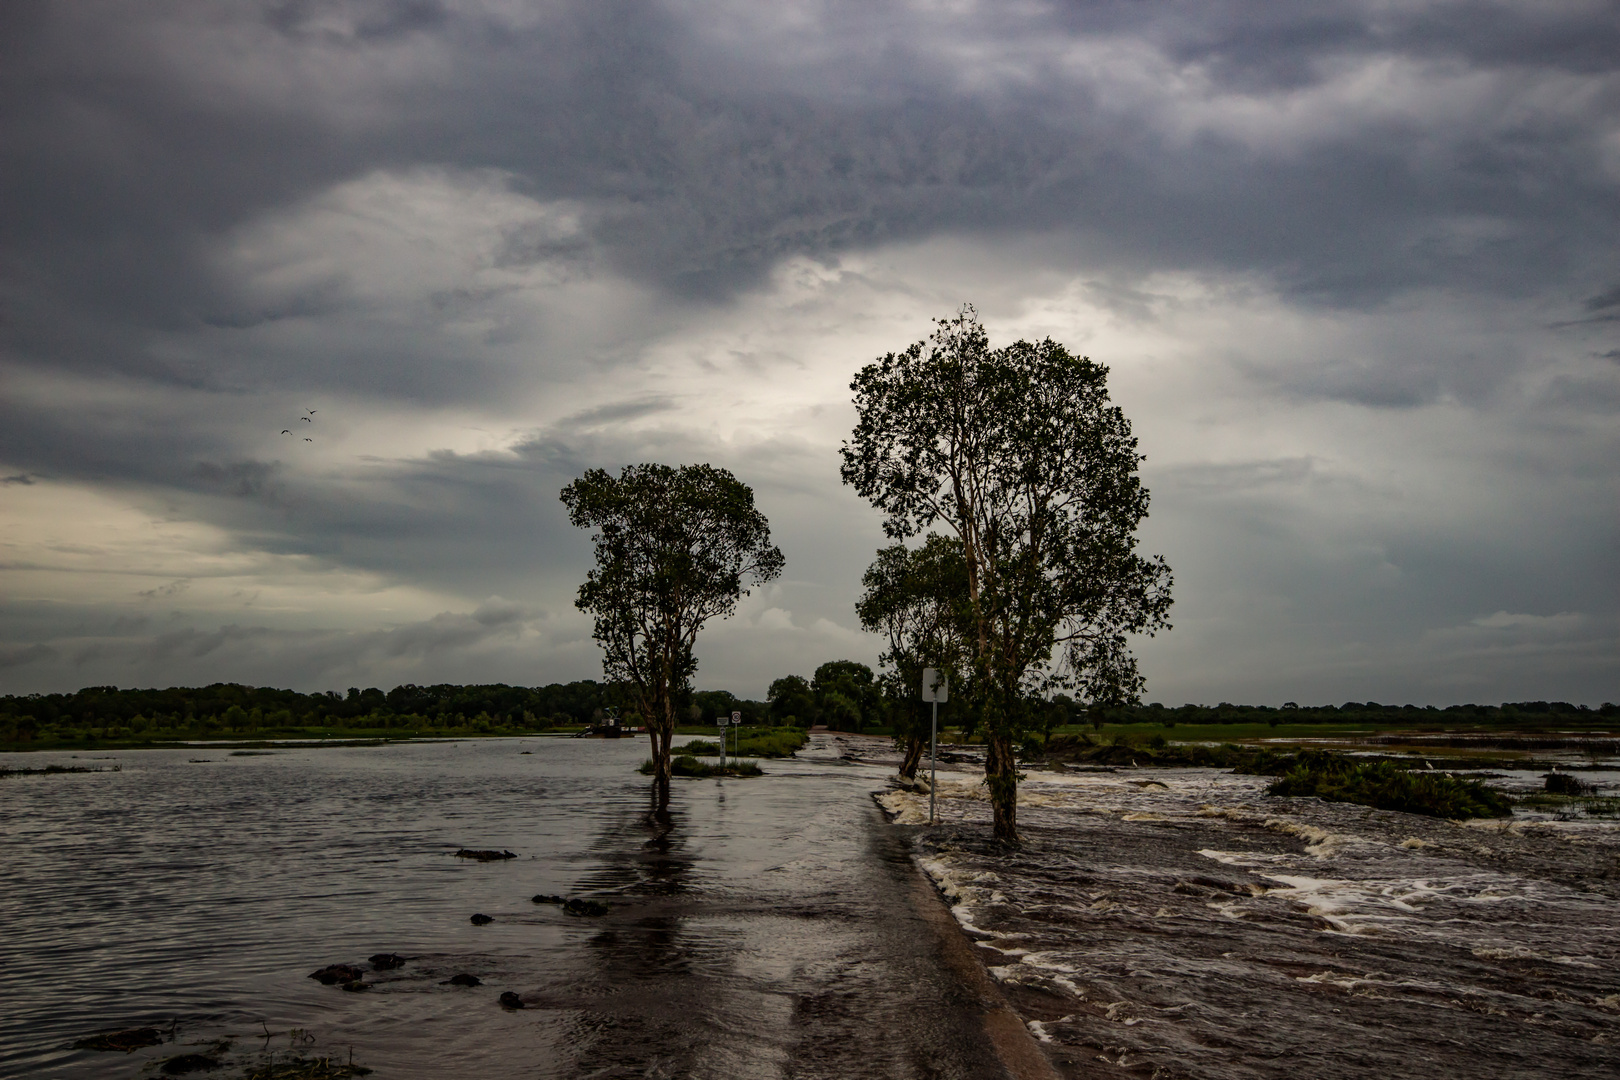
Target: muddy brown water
(768, 930)
(1180, 923)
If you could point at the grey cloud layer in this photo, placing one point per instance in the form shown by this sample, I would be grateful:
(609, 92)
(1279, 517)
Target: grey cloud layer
(218, 213)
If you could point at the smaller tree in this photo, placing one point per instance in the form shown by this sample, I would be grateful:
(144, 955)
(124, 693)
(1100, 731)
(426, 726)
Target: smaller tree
(791, 700)
(917, 599)
(675, 547)
(846, 694)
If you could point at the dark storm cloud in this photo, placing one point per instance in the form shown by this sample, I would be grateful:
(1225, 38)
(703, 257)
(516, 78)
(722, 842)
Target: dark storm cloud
(706, 159)
(185, 258)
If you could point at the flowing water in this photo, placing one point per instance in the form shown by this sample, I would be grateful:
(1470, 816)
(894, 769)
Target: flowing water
(1180, 923)
(1158, 923)
(765, 930)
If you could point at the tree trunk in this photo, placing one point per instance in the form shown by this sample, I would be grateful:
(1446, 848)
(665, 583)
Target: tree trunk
(1001, 772)
(661, 736)
(914, 753)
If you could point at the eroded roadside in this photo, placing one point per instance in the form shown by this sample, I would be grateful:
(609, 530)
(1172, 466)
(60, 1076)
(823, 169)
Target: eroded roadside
(1179, 923)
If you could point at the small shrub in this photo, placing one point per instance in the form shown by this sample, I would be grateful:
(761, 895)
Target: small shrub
(1386, 786)
(1558, 783)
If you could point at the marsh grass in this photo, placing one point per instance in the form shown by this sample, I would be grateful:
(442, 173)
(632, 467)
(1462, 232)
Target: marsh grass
(687, 765)
(755, 742)
(1385, 785)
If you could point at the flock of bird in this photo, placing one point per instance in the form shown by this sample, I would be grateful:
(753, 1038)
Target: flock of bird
(305, 419)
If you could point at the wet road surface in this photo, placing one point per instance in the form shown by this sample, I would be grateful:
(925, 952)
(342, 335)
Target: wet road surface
(768, 929)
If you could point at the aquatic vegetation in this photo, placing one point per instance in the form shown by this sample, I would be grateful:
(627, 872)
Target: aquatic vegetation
(755, 742)
(300, 1068)
(1386, 786)
(1557, 783)
(687, 765)
(484, 854)
(53, 770)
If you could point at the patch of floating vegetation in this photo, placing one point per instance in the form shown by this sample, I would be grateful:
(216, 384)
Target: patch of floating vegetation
(484, 854)
(53, 770)
(302, 1068)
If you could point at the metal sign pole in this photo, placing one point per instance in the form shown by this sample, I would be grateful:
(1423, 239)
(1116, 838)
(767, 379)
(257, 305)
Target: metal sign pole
(933, 761)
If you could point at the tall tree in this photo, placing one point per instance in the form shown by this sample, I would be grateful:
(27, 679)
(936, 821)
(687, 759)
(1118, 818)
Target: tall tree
(675, 547)
(917, 599)
(1018, 452)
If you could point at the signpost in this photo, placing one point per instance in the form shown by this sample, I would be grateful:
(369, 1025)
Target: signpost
(736, 743)
(936, 687)
(720, 722)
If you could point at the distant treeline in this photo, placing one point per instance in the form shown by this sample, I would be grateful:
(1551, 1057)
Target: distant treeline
(107, 712)
(1064, 711)
(842, 694)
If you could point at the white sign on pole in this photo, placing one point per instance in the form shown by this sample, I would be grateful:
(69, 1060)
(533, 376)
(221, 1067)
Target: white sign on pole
(719, 721)
(736, 718)
(935, 685)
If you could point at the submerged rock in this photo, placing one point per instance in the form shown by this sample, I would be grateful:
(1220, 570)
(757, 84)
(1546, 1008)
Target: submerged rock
(463, 979)
(511, 1000)
(126, 1040)
(337, 973)
(184, 1063)
(481, 919)
(585, 907)
(484, 854)
(386, 961)
(575, 906)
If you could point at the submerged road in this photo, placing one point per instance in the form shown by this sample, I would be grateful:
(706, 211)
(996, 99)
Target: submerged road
(791, 935)
(773, 928)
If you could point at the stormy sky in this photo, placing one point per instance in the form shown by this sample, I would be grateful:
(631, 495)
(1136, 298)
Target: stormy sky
(1355, 267)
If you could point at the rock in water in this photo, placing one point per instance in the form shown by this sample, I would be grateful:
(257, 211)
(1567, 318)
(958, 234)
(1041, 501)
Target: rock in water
(546, 898)
(585, 907)
(484, 855)
(387, 961)
(125, 1040)
(481, 919)
(337, 973)
(511, 1000)
(463, 979)
(184, 1063)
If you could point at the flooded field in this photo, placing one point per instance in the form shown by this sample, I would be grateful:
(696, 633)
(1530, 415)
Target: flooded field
(1158, 923)
(766, 930)
(1180, 923)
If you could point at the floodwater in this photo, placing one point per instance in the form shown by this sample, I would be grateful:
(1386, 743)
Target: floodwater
(1181, 923)
(767, 930)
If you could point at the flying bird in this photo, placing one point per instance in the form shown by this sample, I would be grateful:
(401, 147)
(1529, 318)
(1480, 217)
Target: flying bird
(306, 419)
(310, 411)
(284, 431)
(308, 439)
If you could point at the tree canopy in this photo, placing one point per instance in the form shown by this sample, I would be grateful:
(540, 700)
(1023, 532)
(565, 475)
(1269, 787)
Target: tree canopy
(917, 599)
(675, 547)
(1018, 452)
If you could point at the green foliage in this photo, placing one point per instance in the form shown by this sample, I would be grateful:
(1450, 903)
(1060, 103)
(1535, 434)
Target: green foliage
(917, 598)
(1387, 786)
(846, 695)
(790, 696)
(753, 742)
(674, 548)
(1018, 453)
